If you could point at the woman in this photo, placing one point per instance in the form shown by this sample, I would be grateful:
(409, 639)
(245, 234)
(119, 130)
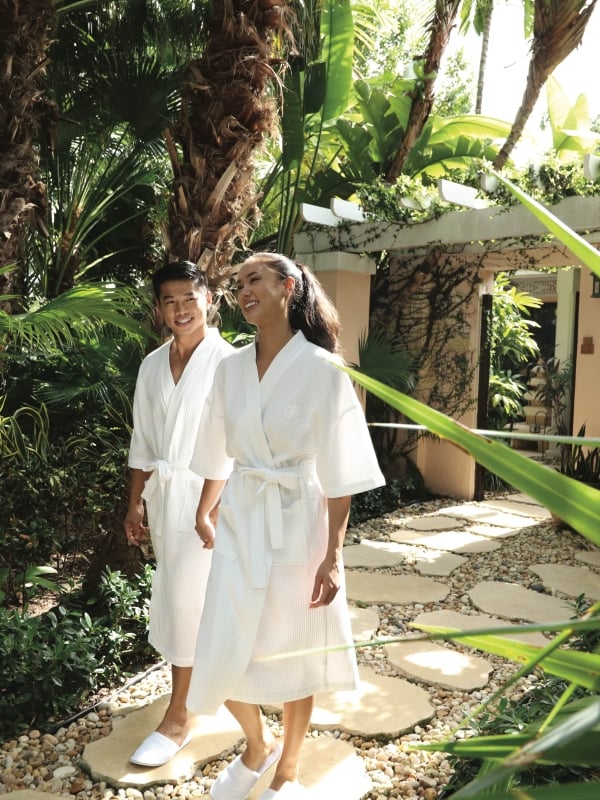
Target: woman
(293, 438)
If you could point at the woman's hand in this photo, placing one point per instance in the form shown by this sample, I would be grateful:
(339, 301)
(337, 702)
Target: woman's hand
(327, 583)
(205, 530)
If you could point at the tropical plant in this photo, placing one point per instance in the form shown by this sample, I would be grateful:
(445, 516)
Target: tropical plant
(512, 345)
(316, 91)
(580, 462)
(482, 12)
(558, 28)
(572, 135)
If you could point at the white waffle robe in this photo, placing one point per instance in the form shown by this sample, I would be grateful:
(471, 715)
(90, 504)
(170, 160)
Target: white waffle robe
(292, 440)
(165, 423)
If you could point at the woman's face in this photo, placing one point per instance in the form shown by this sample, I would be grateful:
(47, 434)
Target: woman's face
(262, 294)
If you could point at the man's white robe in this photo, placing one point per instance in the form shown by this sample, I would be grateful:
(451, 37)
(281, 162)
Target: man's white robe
(165, 423)
(294, 439)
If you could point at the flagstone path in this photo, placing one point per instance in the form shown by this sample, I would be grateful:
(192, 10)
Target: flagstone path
(460, 565)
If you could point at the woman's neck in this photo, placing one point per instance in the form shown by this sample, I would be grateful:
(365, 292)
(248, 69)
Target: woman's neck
(269, 341)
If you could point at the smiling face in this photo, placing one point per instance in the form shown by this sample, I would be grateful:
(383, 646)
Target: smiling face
(262, 293)
(183, 306)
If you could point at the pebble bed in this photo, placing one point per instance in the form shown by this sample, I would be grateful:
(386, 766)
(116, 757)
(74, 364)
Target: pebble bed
(50, 762)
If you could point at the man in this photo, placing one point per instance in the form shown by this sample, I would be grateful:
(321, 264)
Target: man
(172, 384)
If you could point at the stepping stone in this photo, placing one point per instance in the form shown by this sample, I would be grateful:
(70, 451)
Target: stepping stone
(371, 587)
(434, 523)
(469, 622)
(108, 759)
(526, 507)
(515, 602)
(381, 706)
(372, 555)
(455, 541)
(28, 794)
(329, 768)
(364, 621)
(433, 663)
(569, 580)
(591, 557)
(489, 515)
(437, 562)
(492, 531)
(519, 497)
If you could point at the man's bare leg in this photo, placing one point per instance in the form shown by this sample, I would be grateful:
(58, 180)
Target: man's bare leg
(175, 724)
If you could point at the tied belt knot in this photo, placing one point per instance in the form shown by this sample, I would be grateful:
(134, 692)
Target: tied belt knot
(270, 479)
(163, 472)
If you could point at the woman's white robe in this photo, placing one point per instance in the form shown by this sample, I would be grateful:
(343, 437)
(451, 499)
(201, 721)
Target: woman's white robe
(165, 424)
(296, 438)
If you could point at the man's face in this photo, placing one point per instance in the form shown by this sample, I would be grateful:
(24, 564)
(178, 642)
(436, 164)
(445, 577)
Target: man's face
(183, 307)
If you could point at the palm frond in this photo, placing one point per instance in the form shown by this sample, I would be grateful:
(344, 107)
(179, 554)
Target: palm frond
(60, 322)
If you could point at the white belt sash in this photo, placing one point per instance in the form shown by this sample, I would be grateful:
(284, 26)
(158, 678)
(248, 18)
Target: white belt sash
(268, 510)
(162, 474)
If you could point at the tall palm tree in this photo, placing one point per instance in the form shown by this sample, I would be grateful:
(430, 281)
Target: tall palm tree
(440, 27)
(25, 29)
(558, 27)
(228, 106)
(487, 10)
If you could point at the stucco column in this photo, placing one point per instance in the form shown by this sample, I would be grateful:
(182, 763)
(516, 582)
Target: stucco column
(346, 278)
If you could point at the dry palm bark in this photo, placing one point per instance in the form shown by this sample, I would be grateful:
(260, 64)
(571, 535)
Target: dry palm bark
(558, 27)
(229, 106)
(25, 27)
(440, 28)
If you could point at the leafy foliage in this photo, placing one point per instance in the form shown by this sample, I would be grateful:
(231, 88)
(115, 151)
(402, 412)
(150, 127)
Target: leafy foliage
(512, 345)
(58, 658)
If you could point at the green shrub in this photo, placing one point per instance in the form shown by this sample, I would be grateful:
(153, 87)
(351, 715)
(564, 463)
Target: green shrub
(53, 661)
(376, 502)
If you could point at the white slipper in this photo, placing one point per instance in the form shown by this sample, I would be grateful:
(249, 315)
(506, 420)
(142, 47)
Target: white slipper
(236, 781)
(156, 750)
(289, 791)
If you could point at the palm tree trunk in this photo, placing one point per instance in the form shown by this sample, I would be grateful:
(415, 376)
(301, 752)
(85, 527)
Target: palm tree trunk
(440, 28)
(485, 44)
(25, 27)
(227, 111)
(558, 29)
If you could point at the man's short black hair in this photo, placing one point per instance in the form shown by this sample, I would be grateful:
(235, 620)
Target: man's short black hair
(178, 271)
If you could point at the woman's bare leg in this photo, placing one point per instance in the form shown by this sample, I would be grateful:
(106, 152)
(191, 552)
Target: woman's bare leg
(259, 740)
(296, 719)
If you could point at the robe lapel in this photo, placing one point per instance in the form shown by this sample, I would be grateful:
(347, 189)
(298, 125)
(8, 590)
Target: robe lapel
(265, 490)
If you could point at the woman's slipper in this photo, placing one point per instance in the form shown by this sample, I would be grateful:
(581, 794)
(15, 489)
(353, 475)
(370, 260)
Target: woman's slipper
(235, 782)
(157, 750)
(289, 791)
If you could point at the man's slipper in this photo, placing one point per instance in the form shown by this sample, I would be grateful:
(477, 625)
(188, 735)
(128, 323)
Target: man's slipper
(235, 782)
(156, 750)
(289, 791)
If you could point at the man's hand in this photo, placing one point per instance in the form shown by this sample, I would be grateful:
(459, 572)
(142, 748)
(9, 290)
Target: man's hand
(133, 524)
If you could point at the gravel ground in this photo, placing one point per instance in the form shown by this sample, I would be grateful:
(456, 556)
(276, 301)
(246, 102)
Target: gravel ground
(51, 762)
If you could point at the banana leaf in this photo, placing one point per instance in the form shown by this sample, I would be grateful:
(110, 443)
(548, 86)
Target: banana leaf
(571, 665)
(573, 740)
(583, 250)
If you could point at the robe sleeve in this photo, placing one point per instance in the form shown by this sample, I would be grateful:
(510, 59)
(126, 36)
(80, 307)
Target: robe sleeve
(346, 460)
(141, 451)
(210, 459)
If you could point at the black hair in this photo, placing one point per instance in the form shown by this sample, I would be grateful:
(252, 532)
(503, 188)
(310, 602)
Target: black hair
(310, 310)
(178, 271)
